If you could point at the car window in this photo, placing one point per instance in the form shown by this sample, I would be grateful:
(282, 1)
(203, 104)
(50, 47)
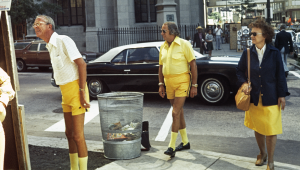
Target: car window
(143, 55)
(33, 47)
(20, 46)
(120, 58)
(43, 47)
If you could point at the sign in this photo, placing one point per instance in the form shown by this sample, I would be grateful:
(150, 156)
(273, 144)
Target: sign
(5, 5)
(169, 17)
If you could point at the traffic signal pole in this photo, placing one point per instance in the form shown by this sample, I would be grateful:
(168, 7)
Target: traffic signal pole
(268, 12)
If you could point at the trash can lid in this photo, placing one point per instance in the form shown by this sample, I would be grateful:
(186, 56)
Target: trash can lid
(119, 95)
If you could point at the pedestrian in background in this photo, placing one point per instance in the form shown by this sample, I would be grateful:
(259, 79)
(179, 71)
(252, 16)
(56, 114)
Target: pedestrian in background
(268, 90)
(188, 38)
(6, 94)
(209, 40)
(70, 74)
(199, 39)
(177, 66)
(219, 32)
(281, 43)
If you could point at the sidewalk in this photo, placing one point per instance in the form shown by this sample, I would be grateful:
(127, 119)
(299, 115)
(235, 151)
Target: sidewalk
(155, 159)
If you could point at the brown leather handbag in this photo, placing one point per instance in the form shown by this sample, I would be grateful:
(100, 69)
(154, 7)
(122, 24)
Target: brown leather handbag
(241, 99)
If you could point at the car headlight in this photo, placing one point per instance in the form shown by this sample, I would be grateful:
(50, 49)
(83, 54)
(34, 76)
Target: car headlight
(84, 57)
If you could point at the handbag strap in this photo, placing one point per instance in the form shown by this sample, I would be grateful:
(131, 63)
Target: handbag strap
(248, 56)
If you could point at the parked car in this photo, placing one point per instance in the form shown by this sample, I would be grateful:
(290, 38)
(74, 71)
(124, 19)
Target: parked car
(297, 46)
(293, 27)
(135, 68)
(35, 54)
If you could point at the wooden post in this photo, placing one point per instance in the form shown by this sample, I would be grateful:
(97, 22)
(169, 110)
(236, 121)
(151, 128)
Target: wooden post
(15, 132)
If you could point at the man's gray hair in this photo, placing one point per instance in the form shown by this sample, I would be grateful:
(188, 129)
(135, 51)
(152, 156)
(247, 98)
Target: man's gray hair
(282, 27)
(173, 29)
(48, 20)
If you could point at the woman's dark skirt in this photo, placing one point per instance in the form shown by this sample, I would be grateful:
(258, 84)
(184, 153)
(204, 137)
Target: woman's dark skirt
(210, 46)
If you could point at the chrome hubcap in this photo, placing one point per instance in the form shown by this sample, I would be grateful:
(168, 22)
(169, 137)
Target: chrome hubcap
(212, 90)
(20, 65)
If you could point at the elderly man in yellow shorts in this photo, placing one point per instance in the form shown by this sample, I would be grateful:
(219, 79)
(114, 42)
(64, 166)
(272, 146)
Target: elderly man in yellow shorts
(177, 66)
(69, 70)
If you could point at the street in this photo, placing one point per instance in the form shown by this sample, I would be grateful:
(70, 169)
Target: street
(211, 128)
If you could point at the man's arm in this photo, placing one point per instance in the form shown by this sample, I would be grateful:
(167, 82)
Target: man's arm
(194, 73)
(82, 81)
(161, 80)
(194, 40)
(291, 44)
(6, 91)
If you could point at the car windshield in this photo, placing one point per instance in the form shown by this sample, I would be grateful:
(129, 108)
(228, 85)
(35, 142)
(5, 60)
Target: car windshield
(20, 46)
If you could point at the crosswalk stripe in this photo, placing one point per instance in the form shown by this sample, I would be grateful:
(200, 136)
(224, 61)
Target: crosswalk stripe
(60, 126)
(295, 74)
(164, 130)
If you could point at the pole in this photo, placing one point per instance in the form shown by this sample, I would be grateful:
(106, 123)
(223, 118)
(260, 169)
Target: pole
(226, 10)
(268, 12)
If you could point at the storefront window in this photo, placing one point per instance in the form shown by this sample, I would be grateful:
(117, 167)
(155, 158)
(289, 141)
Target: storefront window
(73, 12)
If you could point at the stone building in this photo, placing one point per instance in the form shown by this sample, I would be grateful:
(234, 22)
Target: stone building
(82, 19)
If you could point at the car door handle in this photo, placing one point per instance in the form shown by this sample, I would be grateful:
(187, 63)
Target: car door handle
(127, 70)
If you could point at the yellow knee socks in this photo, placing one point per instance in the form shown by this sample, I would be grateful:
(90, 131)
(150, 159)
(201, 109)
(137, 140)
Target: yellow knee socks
(74, 161)
(173, 140)
(184, 136)
(83, 163)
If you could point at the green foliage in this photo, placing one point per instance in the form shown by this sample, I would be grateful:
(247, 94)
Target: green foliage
(215, 15)
(22, 10)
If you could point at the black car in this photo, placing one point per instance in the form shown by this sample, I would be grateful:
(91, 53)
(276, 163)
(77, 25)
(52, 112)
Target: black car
(135, 68)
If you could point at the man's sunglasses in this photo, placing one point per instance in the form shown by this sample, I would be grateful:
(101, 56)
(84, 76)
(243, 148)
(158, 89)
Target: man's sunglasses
(164, 31)
(254, 33)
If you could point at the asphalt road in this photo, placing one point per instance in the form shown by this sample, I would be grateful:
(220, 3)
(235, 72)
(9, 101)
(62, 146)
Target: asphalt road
(212, 128)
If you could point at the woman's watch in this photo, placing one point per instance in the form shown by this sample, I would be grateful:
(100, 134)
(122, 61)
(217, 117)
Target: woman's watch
(161, 84)
(80, 89)
(195, 85)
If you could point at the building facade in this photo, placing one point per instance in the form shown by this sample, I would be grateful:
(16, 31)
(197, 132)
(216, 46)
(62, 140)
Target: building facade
(83, 19)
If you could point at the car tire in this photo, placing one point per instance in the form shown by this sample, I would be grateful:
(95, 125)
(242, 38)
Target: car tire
(96, 86)
(213, 90)
(21, 66)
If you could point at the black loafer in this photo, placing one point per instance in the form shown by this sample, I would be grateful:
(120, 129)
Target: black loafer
(181, 147)
(170, 152)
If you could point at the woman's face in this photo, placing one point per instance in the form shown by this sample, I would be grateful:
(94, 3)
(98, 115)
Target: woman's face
(259, 38)
(209, 31)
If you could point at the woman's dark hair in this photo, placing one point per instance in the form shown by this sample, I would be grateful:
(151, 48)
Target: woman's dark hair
(267, 30)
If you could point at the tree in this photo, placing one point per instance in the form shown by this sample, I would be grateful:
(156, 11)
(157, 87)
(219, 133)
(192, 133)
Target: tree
(23, 12)
(215, 15)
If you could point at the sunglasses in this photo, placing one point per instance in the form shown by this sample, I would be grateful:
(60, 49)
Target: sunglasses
(254, 33)
(164, 31)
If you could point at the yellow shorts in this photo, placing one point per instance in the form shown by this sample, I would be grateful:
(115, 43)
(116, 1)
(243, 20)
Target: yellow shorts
(71, 98)
(177, 85)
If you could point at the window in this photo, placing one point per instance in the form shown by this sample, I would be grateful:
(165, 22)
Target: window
(43, 47)
(33, 47)
(145, 10)
(73, 12)
(20, 46)
(143, 55)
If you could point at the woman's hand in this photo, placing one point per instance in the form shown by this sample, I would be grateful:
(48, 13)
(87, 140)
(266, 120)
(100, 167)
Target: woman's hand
(281, 101)
(193, 92)
(247, 90)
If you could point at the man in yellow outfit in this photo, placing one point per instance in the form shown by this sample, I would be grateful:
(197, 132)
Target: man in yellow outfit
(69, 70)
(177, 66)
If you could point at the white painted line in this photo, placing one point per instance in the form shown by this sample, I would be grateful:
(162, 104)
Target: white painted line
(60, 126)
(164, 130)
(295, 74)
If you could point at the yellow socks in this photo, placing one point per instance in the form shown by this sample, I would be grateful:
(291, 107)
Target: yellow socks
(74, 161)
(173, 140)
(184, 136)
(83, 163)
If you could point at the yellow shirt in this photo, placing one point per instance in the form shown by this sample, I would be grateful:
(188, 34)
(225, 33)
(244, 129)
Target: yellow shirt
(176, 58)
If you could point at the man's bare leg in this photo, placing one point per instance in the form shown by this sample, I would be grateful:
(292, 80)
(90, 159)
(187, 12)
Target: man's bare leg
(2, 146)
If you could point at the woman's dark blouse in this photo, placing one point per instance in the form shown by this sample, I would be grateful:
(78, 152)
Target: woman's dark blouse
(268, 78)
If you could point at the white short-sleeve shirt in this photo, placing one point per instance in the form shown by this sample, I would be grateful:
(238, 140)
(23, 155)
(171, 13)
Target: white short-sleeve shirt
(63, 52)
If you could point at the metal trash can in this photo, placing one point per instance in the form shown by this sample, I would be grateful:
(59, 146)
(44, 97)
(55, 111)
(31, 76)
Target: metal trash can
(121, 116)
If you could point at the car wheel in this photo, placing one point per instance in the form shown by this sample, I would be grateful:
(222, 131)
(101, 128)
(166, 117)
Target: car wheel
(214, 90)
(96, 87)
(21, 66)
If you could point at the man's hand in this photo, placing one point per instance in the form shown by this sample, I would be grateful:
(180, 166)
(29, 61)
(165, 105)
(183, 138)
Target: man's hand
(281, 101)
(162, 91)
(83, 100)
(193, 92)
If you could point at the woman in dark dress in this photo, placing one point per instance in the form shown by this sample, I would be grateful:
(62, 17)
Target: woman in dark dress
(209, 38)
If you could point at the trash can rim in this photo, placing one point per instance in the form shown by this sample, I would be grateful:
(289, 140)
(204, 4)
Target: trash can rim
(114, 95)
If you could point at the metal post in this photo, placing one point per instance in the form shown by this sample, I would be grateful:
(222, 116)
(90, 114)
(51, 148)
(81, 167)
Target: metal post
(268, 12)
(226, 12)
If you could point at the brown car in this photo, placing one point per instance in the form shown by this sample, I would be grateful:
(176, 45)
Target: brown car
(35, 54)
